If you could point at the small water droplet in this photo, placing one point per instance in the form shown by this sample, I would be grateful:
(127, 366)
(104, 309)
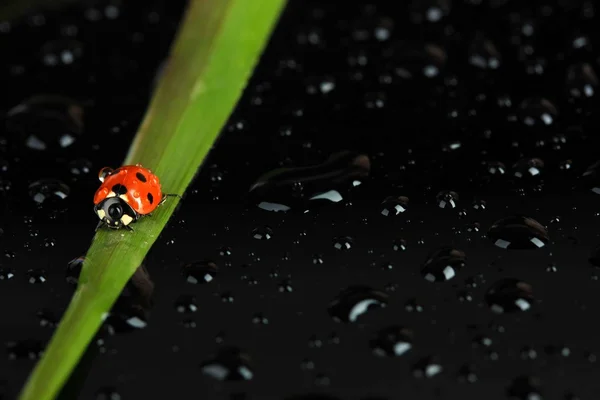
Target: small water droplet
(48, 190)
(393, 341)
(200, 272)
(46, 122)
(443, 264)
(447, 199)
(509, 295)
(343, 243)
(518, 232)
(525, 388)
(186, 304)
(229, 364)
(355, 301)
(426, 367)
(393, 206)
(262, 233)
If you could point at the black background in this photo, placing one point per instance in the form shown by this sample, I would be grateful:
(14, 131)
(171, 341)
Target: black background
(382, 105)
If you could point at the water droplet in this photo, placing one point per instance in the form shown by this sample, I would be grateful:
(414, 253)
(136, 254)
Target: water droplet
(186, 304)
(262, 233)
(36, 276)
(343, 243)
(74, 270)
(518, 232)
(46, 122)
(200, 272)
(466, 374)
(447, 199)
(528, 168)
(581, 81)
(47, 319)
(393, 206)
(443, 264)
(132, 309)
(399, 245)
(61, 52)
(483, 53)
(525, 388)
(24, 349)
(538, 112)
(80, 166)
(108, 393)
(429, 10)
(230, 364)
(591, 178)
(355, 301)
(299, 187)
(509, 295)
(48, 190)
(393, 341)
(6, 274)
(426, 367)
(415, 59)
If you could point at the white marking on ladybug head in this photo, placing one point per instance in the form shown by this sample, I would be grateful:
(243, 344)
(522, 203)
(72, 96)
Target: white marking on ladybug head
(124, 197)
(101, 213)
(111, 194)
(126, 219)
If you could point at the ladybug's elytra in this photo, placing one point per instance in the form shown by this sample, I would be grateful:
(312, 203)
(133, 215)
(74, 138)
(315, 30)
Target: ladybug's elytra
(126, 194)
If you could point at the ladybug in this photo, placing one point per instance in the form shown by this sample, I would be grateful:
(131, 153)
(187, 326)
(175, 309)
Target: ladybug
(126, 194)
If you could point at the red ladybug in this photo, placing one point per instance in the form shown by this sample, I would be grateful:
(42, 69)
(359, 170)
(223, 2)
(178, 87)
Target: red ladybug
(126, 194)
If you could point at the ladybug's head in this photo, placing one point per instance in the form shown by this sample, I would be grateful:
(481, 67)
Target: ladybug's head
(115, 212)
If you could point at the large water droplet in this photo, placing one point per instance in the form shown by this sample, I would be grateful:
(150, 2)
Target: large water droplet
(286, 188)
(46, 190)
(230, 364)
(443, 264)
(355, 301)
(393, 341)
(46, 122)
(74, 270)
(518, 232)
(591, 178)
(509, 295)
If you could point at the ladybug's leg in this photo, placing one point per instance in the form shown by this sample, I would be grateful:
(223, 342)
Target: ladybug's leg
(100, 223)
(130, 229)
(164, 198)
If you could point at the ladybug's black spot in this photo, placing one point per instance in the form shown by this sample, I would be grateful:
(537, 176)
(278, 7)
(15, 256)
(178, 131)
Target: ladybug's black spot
(119, 189)
(140, 176)
(150, 198)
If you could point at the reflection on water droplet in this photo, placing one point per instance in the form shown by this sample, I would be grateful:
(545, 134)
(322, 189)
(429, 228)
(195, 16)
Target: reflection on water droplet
(230, 364)
(393, 206)
(393, 341)
(509, 295)
(443, 264)
(525, 388)
(355, 301)
(80, 166)
(46, 122)
(518, 232)
(288, 188)
(415, 59)
(46, 190)
(429, 10)
(36, 276)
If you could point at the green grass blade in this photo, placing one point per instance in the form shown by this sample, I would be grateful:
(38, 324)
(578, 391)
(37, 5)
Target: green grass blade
(217, 47)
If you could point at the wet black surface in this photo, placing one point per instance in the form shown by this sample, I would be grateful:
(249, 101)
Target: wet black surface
(450, 253)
